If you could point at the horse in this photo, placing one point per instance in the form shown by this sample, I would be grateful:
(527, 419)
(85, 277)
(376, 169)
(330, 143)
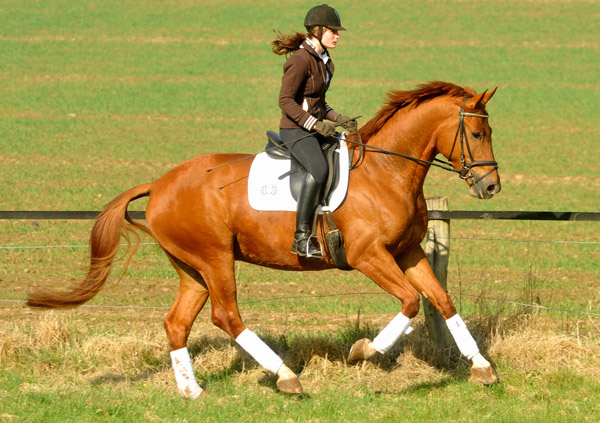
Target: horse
(198, 213)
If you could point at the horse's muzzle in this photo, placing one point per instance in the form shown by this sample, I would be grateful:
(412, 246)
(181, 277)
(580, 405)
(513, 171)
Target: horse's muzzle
(486, 187)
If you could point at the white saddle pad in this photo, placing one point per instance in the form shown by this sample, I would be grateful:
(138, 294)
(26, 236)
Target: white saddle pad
(266, 192)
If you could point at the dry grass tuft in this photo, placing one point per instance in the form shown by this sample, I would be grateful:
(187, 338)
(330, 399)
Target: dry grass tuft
(55, 345)
(535, 350)
(18, 339)
(217, 354)
(51, 331)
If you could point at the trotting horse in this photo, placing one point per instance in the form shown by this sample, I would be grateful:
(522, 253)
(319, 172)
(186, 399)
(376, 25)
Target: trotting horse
(204, 223)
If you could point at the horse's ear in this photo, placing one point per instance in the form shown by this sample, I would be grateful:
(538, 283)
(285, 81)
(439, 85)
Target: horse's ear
(488, 96)
(479, 100)
(473, 102)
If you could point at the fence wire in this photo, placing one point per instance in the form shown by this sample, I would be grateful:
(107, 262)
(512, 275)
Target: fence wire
(348, 294)
(345, 294)
(535, 241)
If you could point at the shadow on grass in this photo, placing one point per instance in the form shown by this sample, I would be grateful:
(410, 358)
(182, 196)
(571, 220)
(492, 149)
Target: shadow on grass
(114, 378)
(299, 350)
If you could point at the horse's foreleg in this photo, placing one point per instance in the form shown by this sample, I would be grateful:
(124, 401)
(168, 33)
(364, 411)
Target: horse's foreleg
(385, 272)
(420, 274)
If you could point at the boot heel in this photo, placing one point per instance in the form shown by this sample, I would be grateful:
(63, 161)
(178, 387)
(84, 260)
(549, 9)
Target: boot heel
(295, 248)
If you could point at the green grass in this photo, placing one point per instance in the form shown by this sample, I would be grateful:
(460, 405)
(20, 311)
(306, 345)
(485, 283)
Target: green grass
(142, 403)
(70, 380)
(99, 96)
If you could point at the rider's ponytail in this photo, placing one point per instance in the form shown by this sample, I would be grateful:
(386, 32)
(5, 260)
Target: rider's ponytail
(287, 43)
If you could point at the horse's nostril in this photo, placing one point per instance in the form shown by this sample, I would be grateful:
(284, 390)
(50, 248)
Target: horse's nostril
(493, 189)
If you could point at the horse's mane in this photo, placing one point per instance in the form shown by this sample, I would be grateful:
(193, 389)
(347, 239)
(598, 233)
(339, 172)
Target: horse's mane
(398, 99)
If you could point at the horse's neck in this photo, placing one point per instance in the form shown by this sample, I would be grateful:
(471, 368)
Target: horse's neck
(410, 133)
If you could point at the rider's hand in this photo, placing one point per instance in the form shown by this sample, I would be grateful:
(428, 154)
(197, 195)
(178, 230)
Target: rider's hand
(327, 129)
(347, 123)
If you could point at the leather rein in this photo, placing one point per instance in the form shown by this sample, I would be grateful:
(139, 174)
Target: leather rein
(464, 172)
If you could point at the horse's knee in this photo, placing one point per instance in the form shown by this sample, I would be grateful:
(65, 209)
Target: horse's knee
(227, 320)
(410, 306)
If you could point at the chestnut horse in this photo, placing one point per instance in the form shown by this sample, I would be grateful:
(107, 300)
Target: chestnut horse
(204, 223)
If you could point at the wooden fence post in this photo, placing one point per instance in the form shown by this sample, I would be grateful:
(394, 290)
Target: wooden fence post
(437, 248)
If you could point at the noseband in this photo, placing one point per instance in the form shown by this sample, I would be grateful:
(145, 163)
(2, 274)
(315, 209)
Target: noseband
(465, 170)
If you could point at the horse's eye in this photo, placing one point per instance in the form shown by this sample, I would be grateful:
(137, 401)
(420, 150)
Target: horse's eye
(476, 135)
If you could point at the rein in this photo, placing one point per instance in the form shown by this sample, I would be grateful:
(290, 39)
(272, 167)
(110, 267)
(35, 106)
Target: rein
(464, 172)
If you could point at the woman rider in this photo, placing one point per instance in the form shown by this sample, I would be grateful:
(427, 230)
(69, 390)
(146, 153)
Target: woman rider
(306, 119)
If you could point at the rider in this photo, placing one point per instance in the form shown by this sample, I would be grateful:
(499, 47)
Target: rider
(306, 119)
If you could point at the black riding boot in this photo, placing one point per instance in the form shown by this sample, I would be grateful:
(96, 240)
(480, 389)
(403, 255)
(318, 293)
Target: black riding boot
(307, 203)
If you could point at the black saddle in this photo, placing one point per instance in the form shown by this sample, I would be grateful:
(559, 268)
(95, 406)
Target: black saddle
(297, 173)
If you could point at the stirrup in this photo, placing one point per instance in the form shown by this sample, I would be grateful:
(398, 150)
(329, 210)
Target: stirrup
(302, 247)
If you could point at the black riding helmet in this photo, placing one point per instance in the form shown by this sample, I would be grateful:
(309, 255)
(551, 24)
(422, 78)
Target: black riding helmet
(323, 16)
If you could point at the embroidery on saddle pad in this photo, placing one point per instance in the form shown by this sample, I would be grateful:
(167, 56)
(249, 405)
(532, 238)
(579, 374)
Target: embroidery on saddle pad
(266, 192)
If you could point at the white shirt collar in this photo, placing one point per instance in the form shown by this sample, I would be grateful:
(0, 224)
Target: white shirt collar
(325, 57)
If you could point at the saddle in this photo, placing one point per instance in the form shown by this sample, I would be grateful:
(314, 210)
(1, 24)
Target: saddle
(276, 149)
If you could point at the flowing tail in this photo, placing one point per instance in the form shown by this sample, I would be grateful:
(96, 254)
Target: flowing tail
(110, 224)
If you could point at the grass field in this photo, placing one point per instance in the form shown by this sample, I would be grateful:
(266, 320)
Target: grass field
(99, 96)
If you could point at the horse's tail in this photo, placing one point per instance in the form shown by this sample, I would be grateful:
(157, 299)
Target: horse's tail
(110, 224)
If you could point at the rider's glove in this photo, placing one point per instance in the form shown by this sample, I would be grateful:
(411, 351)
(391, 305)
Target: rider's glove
(327, 129)
(347, 123)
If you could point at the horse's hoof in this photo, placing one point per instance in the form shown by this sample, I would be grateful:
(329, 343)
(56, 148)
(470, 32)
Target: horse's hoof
(484, 375)
(288, 382)
(290, 386)
(192, 392)
(361, 350)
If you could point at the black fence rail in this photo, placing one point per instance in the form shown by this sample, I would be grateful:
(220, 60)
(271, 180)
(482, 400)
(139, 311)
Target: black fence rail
(59, 215)
(433, 215)
(513, 215)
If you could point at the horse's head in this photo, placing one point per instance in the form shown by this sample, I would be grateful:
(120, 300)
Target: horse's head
(467, 142)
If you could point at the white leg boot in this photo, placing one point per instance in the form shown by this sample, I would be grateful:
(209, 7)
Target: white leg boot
(481, 369)
(288, 382)
(184, 374)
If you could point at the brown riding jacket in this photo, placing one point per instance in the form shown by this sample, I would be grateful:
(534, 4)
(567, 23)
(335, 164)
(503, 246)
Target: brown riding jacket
(303, 87)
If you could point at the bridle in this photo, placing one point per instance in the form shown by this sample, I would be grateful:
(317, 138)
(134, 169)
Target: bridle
(464, 172)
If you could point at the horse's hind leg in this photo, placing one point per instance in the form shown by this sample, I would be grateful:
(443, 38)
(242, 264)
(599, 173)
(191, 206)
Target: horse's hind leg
(190, 299)
(421, 276)
(225, 315)
(218, 279)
